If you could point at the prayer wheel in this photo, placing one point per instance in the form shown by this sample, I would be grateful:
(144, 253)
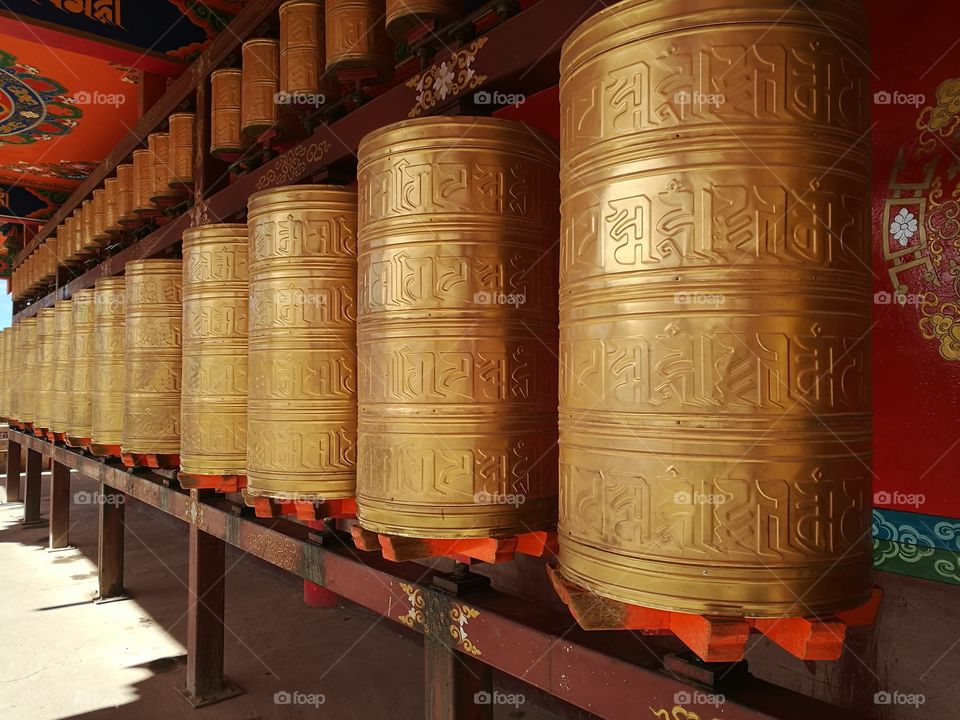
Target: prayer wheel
(302, 413)
(226, 113)
(62, 396)
(81, 371)
(128, 191)
(106, 415)
(182, 128)
(213, 412)
(143, 206)
(715, 307)
(5, 342)
(457, 329)
(112, 216)
(301, 47)
(261, 59)
(25, 385)
(88, 223)
(356, 40)
(71, 247)
(159, 146)
(405, 15)
(100, 235)
(44, 368)
(151, 358)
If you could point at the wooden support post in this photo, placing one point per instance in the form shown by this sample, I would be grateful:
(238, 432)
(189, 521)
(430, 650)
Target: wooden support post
(458, 686)
(205, 682)
(110, 544)
(59, 507)
(13, 471)
(31, 495)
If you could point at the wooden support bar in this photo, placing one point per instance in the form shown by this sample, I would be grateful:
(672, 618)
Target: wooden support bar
(110, 543)
(457, 686)
(31, 495)
(59, 507)
(13, 470)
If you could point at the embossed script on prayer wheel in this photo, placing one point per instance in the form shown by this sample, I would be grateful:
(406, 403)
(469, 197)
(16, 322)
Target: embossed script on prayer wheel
(301, 46)
(214, 404)
(457, 329)
(112, 216)
(404, 15)
(143, 206)
(159, 146)
(26, 376)
(182, 128)
(88, 224)
(261, 59)
(80, 371)
(356, 38)
(62, 395)
(715, 307)
(106, 418)
(226, 112)
(151, 367)
(45, 363)
(100, 217)
(128, 190)
(302, 412)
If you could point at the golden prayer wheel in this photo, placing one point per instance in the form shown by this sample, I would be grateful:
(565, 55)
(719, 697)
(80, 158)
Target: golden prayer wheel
(143, 206)
(457, 329)
(69, 237)
(25, 375)
(44, 368)
(128, 192)
(88, 220)
(213, 410)
(182, 128)
(48, 261)
(159, 146)
(301, 47)
(100, 217)
(405, 15)
(152, 358)
(62, 396)
(356, 39)
(112, 215)
(5, 337)
(715, 416)
(106, 415)
(81, 371)
(302, 414)
(260, 86)
(226, 113)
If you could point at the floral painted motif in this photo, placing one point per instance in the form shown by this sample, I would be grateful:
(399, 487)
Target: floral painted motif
(32, 107)
(903, 227)
(449, 79)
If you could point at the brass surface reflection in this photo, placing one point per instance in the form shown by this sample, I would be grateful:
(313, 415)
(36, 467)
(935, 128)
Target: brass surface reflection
(62, 395)
(80, 372)
(44, 368)
(109, 329)
(25, 375)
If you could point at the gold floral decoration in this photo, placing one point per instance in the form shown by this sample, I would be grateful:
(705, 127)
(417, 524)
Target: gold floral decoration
(461, 616)
(447, 79)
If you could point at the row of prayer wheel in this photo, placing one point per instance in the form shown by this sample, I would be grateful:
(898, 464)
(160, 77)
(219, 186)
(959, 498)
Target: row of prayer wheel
(701, 326)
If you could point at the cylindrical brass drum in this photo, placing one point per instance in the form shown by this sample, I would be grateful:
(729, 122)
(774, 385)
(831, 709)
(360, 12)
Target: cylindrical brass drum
(182, 128)
(88, 220)
(302, 61)
(26, 372)
(302, 412)
(128, 191)
(226, 112)
(71, 247)
(143, 206)
(11, 372)
(261, 59)
(356, 38)
(100, 235)
(45, 366)
(159, 146)
(457, 329)
(151, 367)
(62, 395)
(112, 217)
(81, 370)
(213, 412)
(715, 307)
(5, 337)
(404, 15)
(106, 416)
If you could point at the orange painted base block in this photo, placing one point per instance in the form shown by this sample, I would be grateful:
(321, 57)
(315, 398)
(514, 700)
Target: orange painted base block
(40, 432)
(150, 460)
(542, 543)
(105, 450)
(220, 483)
(266, 507)
(56, 436)
(77, 442)
(714, 638)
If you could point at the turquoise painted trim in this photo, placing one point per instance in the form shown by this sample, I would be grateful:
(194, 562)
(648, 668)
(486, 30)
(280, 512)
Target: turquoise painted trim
(906, 528)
